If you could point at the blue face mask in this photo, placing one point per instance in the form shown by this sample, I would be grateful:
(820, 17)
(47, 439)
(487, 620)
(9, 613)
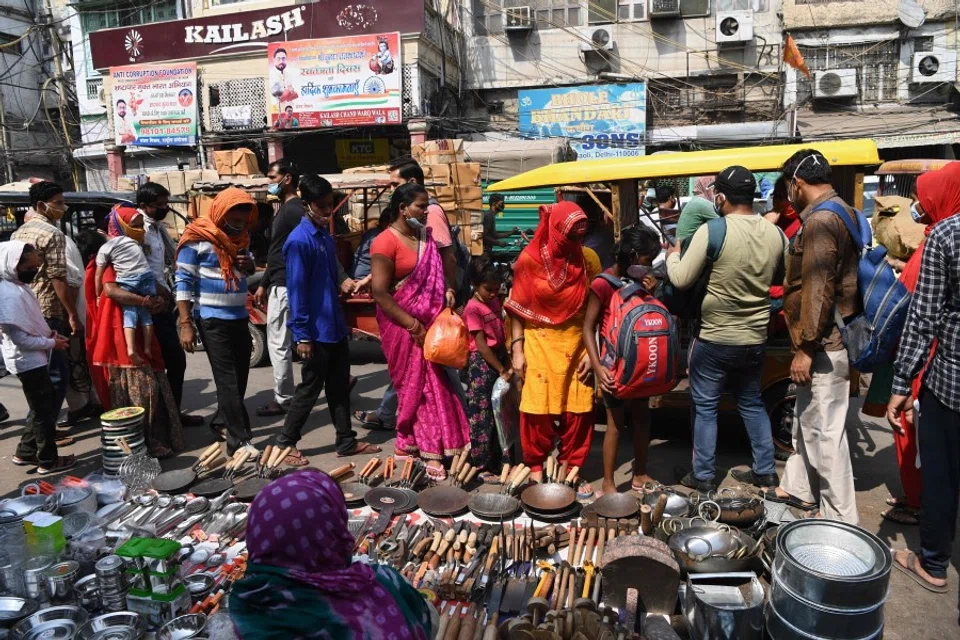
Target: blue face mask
(274, 189)
(415, 224)
(915, 214)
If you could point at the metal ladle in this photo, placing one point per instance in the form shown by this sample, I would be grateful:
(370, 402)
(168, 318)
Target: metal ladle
(161, 503)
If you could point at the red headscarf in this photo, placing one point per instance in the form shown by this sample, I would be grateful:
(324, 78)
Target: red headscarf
(119, 220)
(208, 228)
(939, 195)
(550, 276)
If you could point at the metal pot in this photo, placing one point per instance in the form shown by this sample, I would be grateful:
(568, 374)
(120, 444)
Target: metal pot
(74, 499)
(779, 629)
(25, 505)
(833, 563)
(713, 548)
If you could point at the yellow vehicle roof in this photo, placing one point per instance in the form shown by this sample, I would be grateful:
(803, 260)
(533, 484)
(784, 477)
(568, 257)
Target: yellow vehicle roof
(914, 166)
(686, 163)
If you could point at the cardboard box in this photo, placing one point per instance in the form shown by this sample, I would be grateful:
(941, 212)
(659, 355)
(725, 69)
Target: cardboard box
(236, 162)
(465, 174)
(171, 180)
(437, 173)
(469, 198)
(439, 152)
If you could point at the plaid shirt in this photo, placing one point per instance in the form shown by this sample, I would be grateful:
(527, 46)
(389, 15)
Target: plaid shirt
(934, 314)
(51, 244)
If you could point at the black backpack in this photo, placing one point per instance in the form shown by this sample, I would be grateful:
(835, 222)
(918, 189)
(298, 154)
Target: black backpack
(686, 304)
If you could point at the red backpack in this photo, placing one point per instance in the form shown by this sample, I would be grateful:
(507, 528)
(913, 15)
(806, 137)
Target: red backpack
(641, 345)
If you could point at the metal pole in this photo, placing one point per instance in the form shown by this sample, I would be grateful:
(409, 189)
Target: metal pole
(62, 106)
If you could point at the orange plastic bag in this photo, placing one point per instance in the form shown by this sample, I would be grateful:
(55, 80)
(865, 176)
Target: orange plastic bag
(446, 341)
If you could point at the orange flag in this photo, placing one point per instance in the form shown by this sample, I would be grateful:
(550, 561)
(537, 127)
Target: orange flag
(793, 57)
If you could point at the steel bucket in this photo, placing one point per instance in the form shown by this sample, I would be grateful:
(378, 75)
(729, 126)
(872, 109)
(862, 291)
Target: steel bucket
(716, 609)
(780, 629)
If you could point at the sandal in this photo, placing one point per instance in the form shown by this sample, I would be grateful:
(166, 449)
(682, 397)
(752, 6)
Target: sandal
(65, 441)
(584, 491)
(910, 570)
(296, 460)
(900, 503)
(359, 448)
(790, 501)
(270, 410)
(63, 463)
(437, 474)
(488, 477)
(372, 423)
(901, 515)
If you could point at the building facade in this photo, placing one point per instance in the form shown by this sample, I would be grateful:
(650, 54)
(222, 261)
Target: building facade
(230, 43)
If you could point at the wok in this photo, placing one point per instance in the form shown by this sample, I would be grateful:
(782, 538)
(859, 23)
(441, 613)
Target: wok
(443, 501)
(548, 498)
(713, 548)
(553, 517)
(678, 505)
(737, 508)
(616, 506)
(493, 505)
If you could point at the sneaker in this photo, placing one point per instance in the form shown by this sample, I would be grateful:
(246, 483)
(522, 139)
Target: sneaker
(749, 477)
(63, 463)
(703, 486)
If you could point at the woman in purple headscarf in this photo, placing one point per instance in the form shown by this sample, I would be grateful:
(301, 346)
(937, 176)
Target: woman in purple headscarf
(300, 580)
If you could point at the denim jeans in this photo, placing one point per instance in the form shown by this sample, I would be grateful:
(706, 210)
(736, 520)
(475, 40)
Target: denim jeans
(142, 284)
(712, 368)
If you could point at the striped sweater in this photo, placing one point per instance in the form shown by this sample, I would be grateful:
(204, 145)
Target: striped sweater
(199, 281)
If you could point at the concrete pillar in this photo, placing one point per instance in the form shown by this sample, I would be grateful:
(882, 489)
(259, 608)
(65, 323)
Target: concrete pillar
(115, 165)
(418, 131)
(274, 150)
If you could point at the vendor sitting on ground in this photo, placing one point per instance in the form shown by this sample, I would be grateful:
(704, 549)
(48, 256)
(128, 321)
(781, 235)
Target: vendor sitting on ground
(300, 581)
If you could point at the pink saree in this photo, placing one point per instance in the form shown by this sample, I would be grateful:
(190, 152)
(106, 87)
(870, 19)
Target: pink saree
(431, 421)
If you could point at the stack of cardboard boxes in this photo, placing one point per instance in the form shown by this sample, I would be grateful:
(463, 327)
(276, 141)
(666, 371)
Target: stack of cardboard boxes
(455, 184)
(178, 183)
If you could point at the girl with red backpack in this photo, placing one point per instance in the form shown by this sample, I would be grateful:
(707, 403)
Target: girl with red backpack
(639, 246)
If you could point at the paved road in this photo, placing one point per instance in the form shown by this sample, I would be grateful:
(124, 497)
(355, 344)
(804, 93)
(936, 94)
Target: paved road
(911, 613)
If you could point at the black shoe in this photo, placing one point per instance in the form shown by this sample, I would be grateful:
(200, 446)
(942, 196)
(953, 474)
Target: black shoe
(188, 420)
(703, 486)
(749, 477)
(4, 414)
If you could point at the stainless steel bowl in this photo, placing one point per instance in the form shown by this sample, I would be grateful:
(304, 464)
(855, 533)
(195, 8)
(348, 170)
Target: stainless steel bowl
(199, 585)
(120, 625)
(13, 610)
(678, 505)
(188, 626)
(55, 623)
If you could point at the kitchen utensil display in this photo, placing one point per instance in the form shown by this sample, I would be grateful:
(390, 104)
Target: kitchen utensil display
(723, 606)
(493, 506)
(182, 628)
(14, 609)
(548, 498)
(829, 579)
(53, 623)
(644, 565)
(678, 505)
(248, 489)
(353, 493)
(443, 501)
(616, 505)
(125, 425)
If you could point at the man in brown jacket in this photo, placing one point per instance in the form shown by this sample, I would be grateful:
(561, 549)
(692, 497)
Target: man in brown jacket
(821, 282)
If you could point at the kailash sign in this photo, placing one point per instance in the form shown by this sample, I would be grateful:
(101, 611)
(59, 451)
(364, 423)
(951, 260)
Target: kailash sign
(249, 32)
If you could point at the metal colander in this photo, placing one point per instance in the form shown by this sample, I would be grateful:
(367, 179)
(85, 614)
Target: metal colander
(831, 550)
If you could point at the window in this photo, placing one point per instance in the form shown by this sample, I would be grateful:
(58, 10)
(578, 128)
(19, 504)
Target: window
(602, 11)
(923, 44)
(631, 10)
(11, 49)
(556, 14)
(121, 14)
(694, 8)
(876, 64)
(94, 85)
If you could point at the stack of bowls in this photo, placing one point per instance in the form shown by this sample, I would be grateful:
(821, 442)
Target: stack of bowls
(111, 578)
(127, 424)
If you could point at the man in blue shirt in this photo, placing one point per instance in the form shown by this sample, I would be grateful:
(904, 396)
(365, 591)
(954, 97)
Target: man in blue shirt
(314, 281)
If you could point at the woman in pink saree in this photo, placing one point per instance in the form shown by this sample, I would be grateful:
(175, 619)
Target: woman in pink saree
(409, 288)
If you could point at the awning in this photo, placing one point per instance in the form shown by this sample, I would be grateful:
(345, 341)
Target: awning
(890, 128)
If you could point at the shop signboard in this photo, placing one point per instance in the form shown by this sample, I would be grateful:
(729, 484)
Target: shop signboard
(155, 105)
(333, 82)
(601, 121)
(362, 153)
(248, 32)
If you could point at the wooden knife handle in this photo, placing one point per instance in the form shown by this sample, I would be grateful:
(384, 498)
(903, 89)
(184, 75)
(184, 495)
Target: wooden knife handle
(339, 471)
(266, 455)
(505, 474)
(658, 508)
(471, 475)
(524, 474)
(550, 467)
(216, 463)
(572, 475)
(278, 455)
(562, 474)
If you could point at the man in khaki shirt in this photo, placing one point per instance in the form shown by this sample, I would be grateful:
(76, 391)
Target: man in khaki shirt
(821, 276)
(730, 347)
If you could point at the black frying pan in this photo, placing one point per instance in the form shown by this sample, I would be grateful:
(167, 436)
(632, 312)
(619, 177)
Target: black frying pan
(212, 487)
(174, 481)
(249, 488)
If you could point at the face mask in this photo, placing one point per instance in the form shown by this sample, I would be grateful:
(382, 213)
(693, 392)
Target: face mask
(159, 213)
(54, 214)
(232, 230)
(415, 224)
(638, 272)
(274, 189)
(915, 214)
(28, 276)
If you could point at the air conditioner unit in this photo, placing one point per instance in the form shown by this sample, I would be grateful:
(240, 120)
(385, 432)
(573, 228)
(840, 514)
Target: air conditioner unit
(664, 9)
(934, 66)
(596, 39)
(734, 26)
(517, 19)
(835, 83)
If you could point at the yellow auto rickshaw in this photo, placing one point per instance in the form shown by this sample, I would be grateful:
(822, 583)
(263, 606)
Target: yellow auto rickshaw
(624, 177)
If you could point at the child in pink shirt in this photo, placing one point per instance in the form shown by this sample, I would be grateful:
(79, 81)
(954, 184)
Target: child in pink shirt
(488, 361)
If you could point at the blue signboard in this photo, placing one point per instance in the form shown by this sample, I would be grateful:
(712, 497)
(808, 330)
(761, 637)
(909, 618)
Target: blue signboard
(601, 121)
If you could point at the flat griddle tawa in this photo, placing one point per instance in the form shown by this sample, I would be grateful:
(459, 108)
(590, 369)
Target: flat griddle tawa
(354, 493)
(551, 517)
(212, 487)
(443, 501)
(173, 482)
(249, 488)
(616, 506)
(492, 506)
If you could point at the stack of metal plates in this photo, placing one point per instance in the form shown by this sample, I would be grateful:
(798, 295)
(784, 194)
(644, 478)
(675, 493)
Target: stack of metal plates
(127, 424)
